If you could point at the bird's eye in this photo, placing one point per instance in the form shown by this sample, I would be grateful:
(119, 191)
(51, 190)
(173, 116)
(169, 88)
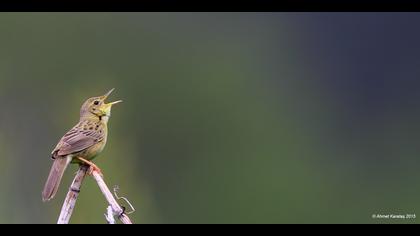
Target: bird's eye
(96, 102)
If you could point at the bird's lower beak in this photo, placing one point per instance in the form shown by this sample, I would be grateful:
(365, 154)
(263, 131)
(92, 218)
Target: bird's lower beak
(106, 108)
(112, 103)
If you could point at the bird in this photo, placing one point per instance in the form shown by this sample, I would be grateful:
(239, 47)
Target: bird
(82, 143)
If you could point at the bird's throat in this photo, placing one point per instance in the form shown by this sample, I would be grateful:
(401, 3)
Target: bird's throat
(94, 117)
(104, 119)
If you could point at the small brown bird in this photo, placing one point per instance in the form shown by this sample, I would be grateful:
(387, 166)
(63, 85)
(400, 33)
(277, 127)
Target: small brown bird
(82, 143)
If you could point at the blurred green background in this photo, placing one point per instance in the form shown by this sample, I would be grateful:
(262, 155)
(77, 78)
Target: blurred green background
(227, 117)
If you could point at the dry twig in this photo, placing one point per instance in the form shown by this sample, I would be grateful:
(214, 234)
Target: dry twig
(114, 208)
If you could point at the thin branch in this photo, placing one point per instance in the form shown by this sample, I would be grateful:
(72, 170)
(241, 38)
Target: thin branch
(116, 208)
(70, 201)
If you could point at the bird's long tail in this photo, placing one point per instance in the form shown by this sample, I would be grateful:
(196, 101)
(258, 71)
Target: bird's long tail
(57, 170)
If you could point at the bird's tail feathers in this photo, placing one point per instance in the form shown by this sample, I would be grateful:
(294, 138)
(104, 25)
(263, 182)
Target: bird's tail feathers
(54, 178)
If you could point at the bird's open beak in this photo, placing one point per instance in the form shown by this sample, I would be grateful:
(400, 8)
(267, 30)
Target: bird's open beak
(104, 97)
(106, 107)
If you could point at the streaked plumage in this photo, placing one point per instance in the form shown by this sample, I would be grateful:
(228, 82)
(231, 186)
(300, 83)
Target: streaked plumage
(85, 134)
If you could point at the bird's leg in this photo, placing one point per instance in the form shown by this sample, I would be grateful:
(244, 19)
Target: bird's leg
(92, 168)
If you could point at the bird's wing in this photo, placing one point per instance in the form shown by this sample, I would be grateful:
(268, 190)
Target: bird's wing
(77, 139)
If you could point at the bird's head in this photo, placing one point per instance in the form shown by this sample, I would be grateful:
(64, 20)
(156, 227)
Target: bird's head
(96, 106)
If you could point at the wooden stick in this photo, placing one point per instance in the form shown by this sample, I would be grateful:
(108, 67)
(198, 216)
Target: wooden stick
(71, 198)
(116, 208)
(70, 201)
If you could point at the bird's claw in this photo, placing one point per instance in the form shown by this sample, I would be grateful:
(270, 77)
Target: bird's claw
(94, 168)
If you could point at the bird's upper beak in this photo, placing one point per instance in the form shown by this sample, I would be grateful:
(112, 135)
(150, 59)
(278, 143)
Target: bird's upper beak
(107, 94)
(106, 107)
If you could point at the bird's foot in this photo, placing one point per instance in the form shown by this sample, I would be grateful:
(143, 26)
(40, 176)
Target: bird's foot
(92, 166)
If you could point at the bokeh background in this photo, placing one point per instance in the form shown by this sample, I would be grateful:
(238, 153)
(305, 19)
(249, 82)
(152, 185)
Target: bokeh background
(227, 117)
